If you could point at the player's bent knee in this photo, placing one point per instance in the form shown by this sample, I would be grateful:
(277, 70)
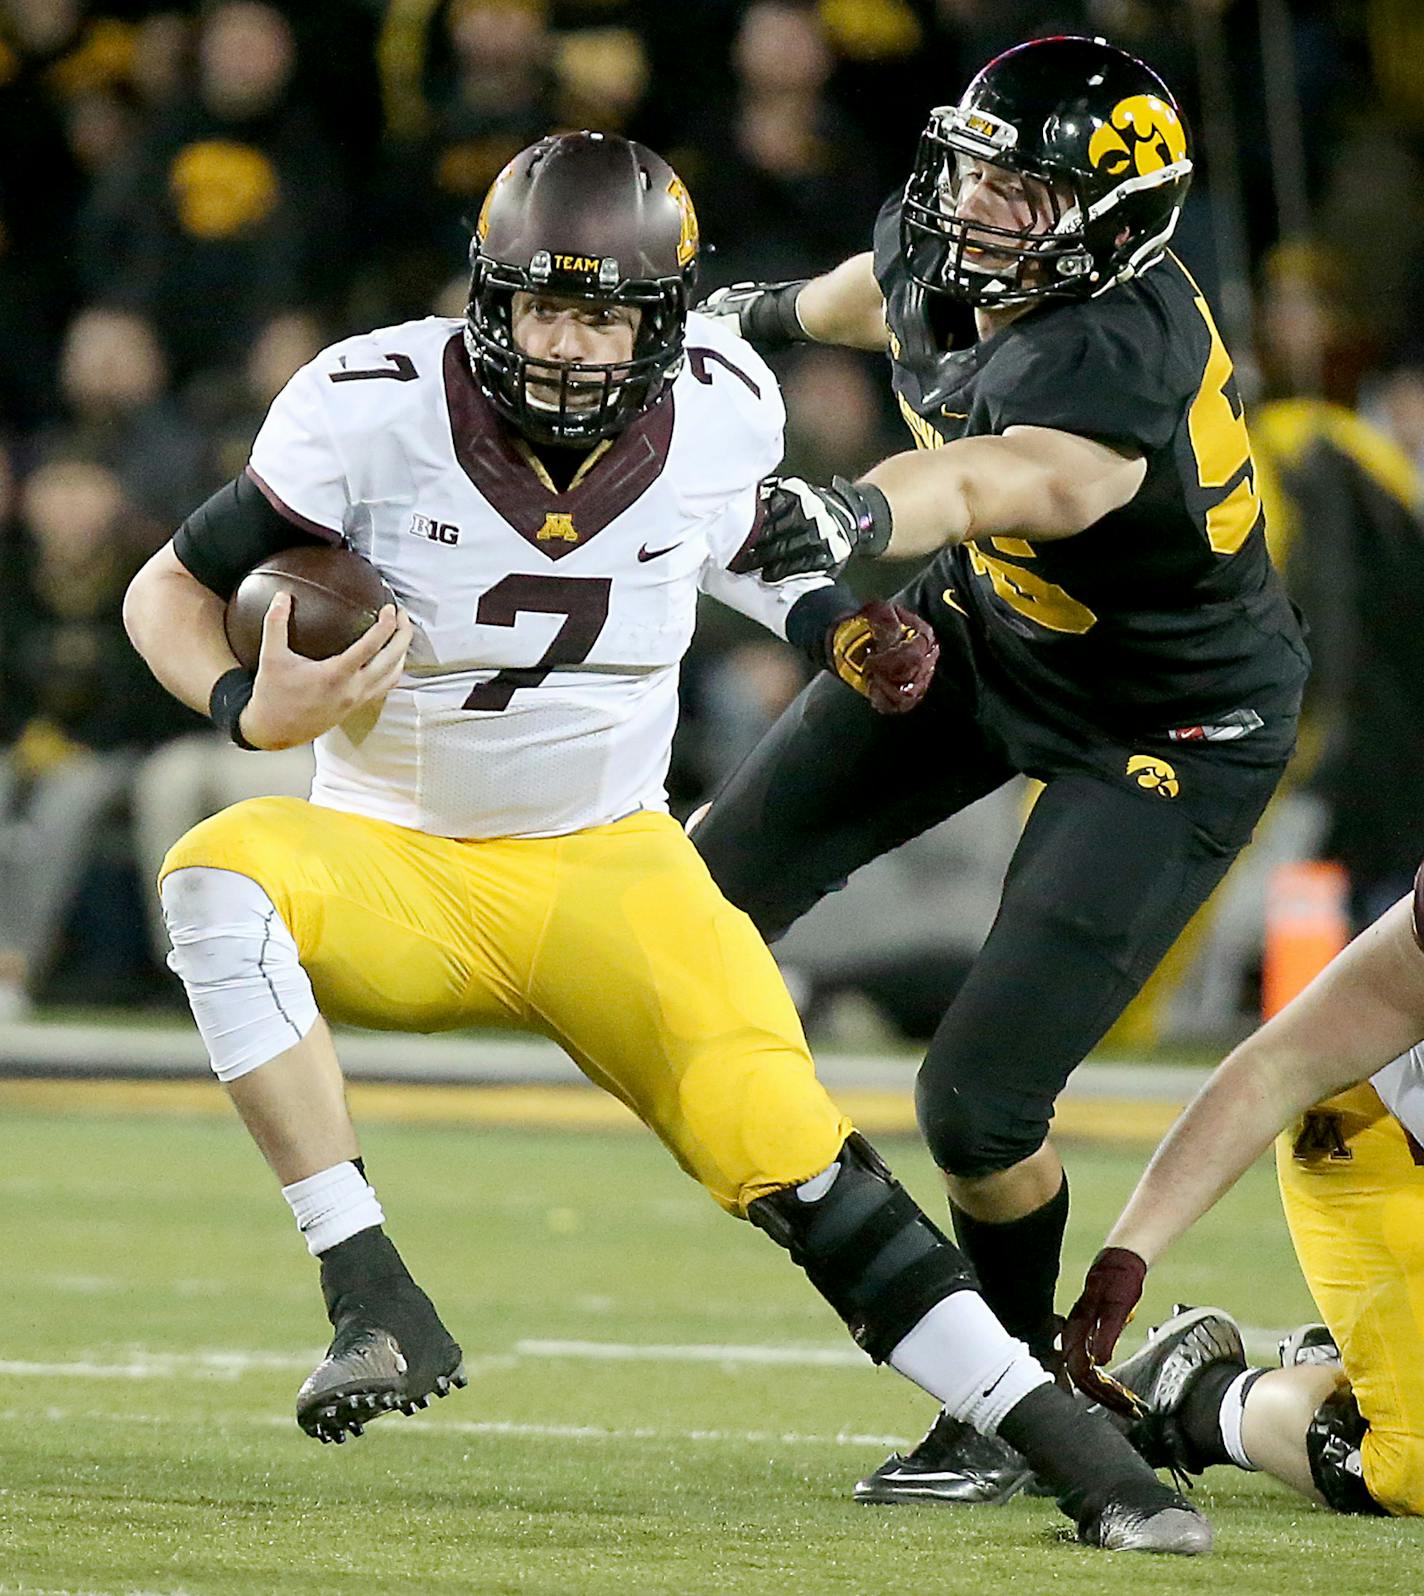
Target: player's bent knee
(239, 965)
(1333, 1443)
(866, 1247)
(967, 1139)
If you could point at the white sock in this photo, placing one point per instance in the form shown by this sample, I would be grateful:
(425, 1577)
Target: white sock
(333, 1205)
(1233, 1410)
(962, 1355)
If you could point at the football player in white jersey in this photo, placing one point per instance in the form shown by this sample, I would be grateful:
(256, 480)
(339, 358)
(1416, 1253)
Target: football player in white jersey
(546, 487)
(1337, 1078)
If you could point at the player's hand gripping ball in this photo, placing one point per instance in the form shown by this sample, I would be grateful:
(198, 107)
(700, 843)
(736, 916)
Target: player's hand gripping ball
(887, 653)
(336, 597)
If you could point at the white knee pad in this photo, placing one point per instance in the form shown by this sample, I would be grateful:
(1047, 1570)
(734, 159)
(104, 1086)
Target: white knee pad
(248, 991)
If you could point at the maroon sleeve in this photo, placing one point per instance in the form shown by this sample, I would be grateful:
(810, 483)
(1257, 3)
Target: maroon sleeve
(1419, 906)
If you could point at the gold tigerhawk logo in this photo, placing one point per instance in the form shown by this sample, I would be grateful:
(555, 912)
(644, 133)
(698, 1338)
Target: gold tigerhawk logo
(557, 526)
(1154, 775)
(688, 234)
(1142, 135)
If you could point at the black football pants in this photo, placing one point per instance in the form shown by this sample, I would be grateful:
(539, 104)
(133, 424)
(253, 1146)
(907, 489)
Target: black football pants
(1106, 874)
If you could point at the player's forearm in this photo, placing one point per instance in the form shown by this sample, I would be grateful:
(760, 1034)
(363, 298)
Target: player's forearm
(176, 624)
(844, 306)
(1220, 1135)
(1041, 487)
(1361, 1012)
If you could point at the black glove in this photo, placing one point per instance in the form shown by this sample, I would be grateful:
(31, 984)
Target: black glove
(804, 528)
(763, 313)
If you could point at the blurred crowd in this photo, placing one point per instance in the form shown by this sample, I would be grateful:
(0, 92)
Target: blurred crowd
(197, 195)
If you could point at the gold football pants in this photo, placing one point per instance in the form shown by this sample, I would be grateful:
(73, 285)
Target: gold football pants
(1354, 1200)
(613, 942)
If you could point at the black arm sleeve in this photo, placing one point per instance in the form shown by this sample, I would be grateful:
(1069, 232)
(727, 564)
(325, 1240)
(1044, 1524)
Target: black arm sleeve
(224, 538)
(810, 618)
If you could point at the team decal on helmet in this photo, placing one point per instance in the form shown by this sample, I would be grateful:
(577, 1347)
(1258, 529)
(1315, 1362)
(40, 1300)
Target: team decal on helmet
(1155, 130)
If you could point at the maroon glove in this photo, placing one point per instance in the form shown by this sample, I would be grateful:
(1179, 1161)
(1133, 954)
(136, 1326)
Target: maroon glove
(885, 652)
(1111, 1291)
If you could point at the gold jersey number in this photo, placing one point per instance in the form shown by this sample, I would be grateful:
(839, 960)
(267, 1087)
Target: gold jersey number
(1216, 425)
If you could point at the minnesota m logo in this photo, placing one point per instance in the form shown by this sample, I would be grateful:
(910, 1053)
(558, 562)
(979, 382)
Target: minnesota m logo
(557, 525)
(1321, 1135)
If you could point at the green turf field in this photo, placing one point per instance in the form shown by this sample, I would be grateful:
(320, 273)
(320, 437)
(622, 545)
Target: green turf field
(625, 1429)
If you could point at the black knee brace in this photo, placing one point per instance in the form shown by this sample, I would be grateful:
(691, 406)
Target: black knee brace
(867, 1248)
(1332, 1443)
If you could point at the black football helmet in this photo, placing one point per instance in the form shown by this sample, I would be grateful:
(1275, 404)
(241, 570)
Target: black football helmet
(585, 216)
(1104, 140)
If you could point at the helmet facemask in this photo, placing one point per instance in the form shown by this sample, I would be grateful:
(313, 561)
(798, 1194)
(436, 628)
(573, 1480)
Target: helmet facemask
(1084, 236)
(971, 260)
(571, 403)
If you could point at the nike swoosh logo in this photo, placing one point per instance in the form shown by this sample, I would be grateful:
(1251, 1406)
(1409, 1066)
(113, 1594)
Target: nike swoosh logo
(953, 415)
(921, 1476)
(997, 1383)
(645, 553)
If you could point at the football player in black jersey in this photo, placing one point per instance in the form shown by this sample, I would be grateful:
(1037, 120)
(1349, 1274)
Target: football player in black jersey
(1108, 619)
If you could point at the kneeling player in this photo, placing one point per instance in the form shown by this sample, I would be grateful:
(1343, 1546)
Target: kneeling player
(1338, 1078)
(487, 841)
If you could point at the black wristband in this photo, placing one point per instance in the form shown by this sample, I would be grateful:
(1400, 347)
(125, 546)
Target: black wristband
(229, 697)
(871, 509)
(770, 321)
(812, 618)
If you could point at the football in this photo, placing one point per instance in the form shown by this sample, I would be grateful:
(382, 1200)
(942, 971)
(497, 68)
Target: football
(336, 595)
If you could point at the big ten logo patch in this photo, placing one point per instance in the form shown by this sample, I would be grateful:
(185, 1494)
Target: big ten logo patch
(422, 526)
(557, 527)
(1153, 775)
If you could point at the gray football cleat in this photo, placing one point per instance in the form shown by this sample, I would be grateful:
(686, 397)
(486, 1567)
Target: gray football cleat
(365, 1375)
(1160, 1373)
(1170, 1525)
(1307, 1344)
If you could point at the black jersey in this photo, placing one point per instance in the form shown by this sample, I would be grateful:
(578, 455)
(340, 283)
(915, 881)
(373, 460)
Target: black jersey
(1165, 615)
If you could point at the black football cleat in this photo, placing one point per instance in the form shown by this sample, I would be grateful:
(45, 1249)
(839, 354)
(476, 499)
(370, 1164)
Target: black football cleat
(390, 1352)
(1147, 1517)
(954, 1465)
(1161, 1372)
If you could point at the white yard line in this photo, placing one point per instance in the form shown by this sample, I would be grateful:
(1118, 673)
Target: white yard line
(425, 1424)
(141, 1364)
(694, 1352)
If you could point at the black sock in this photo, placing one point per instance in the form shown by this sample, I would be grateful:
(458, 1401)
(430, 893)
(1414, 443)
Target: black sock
(1079, 1454)
(1017, 1266)
(1199, 1417)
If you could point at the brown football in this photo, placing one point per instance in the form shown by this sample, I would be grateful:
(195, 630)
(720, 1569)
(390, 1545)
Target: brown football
(336, 595)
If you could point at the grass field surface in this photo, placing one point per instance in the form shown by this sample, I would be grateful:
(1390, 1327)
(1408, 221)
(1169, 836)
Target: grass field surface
(658, 1401)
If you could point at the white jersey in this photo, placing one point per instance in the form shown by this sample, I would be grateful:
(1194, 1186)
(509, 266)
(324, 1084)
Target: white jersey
(540, 692)
(1401, 1089)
